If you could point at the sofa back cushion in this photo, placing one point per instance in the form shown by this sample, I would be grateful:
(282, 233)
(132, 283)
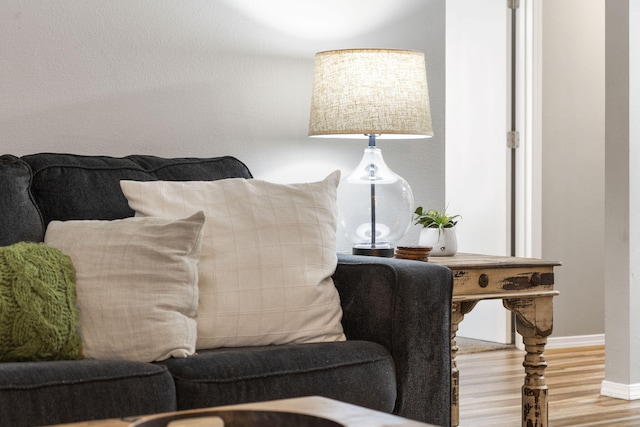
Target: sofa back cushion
(19, 216)
(74, 187)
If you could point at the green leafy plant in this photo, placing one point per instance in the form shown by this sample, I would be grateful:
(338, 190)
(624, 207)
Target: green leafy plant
(435, 219)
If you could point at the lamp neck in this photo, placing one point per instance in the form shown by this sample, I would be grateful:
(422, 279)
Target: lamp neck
(372, 140)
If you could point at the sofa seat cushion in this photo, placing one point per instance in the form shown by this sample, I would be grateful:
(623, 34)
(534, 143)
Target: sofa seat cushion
(43, 393)
(357, 372)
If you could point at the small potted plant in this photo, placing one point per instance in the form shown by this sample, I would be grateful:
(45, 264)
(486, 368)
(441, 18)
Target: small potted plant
(439, 231)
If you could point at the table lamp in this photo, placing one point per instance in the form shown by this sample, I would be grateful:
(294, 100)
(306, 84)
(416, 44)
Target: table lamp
(372, 94)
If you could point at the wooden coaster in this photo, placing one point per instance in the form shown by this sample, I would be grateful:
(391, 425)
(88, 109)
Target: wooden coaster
(413, 249)
(418, 253)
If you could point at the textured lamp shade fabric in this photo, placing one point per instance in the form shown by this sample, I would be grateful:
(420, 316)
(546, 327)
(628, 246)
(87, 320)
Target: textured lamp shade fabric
(360, 92)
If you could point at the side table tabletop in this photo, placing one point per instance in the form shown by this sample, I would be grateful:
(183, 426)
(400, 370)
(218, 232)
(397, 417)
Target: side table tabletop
(526, 288)
(343, 413)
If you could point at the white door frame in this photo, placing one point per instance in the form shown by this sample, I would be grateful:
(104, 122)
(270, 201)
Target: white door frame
(529, 96)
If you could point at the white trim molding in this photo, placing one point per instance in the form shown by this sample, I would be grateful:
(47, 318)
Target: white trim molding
(529, 115)
(620, 391)
(567, 342)
(575, 341)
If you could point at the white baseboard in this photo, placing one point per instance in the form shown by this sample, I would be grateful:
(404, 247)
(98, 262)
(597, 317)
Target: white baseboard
(620, 391)
(575, 341)
(567, 342)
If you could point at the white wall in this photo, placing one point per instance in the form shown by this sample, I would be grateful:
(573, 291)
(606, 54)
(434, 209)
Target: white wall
(573, 142)
(205, 78)
(477, 168)
(216, 77)
(477, 175)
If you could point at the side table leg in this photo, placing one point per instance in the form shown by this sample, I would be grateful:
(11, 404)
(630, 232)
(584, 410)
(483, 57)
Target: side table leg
(535, 410)
(534, 321)
(458, 310)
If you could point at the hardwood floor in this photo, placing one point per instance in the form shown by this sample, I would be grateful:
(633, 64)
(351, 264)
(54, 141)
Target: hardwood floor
(490, 385)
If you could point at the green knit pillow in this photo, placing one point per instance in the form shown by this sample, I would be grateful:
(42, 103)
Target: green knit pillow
(38, 316)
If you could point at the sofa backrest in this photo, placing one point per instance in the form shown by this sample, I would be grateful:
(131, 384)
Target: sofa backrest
(20, 218)
(39, 188)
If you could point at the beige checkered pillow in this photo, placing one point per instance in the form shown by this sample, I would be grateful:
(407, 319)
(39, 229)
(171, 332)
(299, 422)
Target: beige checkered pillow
(268, 253)
(136, 283)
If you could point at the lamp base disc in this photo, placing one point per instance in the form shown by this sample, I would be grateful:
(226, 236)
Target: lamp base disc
(381, 252)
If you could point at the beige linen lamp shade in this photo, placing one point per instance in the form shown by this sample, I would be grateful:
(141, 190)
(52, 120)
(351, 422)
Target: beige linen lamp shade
(358, 92)
(371, 93)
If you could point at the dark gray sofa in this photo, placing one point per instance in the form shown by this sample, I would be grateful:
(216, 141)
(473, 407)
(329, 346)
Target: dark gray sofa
(396, 316)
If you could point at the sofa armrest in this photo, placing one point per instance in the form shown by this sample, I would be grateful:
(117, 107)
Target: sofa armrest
(405, 306)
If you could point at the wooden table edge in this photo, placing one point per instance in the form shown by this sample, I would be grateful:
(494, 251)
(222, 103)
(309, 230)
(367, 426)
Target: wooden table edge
(345, 413)
(471, 261)
(512, 295)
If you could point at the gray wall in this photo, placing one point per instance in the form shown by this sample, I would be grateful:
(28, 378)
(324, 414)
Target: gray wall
(205, 78)
(573, 161)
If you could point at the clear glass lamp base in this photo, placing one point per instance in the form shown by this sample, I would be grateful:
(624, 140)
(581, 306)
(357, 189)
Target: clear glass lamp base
(375, 206)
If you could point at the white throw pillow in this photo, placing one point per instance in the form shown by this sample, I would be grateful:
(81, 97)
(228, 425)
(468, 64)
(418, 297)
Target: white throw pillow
(136, 283)
(268, 254)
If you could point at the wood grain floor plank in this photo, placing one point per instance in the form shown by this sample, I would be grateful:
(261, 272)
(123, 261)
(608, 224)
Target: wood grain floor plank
(490, 384)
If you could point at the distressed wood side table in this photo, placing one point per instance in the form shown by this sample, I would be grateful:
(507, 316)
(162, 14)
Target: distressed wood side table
(526, 288)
